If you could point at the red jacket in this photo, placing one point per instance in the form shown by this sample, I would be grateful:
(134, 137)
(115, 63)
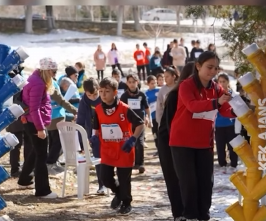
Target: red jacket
(139, 57)
(190, 127)
(111, 152)
(147, 54)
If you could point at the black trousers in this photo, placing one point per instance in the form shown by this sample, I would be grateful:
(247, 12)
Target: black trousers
(194, 169)
(36, 159)
(170, 177)
(154, 130)
(156, 71)
(139, 149)
(119, 68)
(223, 135)
(14, 156)
(147, 67)
(122, 189)
(141, 69)
(100, 74)
(55, 146)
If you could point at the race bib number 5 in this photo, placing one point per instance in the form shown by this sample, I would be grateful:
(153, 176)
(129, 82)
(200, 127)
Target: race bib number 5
(111, 132)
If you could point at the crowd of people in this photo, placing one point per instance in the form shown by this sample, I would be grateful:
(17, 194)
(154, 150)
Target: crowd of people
(185, 105)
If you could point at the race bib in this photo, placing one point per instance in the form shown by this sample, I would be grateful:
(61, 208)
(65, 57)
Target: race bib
(139, 57)
(206, 115)
(153, 107)
(197, 54)
(101, 56)
(133, 103)
(157, 61)
(120, 92)
(111, 132)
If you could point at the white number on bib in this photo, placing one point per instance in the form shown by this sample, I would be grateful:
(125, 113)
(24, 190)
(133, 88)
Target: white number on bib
(111, 132)
(139, 57)
(134, 103)
(101, 56)
(207, 115)
(153, 107)
(120, 92)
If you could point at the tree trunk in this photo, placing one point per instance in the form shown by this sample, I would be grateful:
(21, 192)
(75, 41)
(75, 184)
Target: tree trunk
(110, 13)
(136, 18)
(50, 17)
(178, 11)
(28, 20)
(120, 20)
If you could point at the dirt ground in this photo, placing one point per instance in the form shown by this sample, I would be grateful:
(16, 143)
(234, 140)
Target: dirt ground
(148, 190)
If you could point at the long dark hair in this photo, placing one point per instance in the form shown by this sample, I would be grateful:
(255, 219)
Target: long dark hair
(205, 56)
(172, 71)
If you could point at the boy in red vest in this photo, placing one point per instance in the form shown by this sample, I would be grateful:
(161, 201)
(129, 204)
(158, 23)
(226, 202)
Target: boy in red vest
(112, 124)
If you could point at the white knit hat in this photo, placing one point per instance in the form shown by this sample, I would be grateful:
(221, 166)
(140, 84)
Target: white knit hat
(47, 64)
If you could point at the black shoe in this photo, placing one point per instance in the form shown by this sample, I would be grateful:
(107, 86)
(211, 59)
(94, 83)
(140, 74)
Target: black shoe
(141, 169)
(16, 174)
(125, 209)
(115, 203)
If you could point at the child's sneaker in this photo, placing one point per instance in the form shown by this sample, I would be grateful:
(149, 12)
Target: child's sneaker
(30, 186)
(125, 210)
(101, 191)
(115, 202)
(50, 196)
(141, 169)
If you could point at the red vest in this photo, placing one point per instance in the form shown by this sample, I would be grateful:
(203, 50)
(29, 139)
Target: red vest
(111, 148)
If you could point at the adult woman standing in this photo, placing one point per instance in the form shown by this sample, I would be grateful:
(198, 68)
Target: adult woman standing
(36, 96)
(192, 135)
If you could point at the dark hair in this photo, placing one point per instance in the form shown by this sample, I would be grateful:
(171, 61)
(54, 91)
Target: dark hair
(145, 44)
(112, 46)
(133, 76)
(151, 78)
(80, 65)
(137, 45)
(173, 71)
(157, 52)
(116, 72)
(205, 56)
(197, 42)
(109, 82)
(223, 75)
(90, 85)
(175, 41)
(159, 75)
(193, 42)
(211, 45)
(186, 72)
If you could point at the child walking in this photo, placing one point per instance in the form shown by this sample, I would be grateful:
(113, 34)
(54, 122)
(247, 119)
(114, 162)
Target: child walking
(113, 121)
(151, 94)
(138, 102)
(85, 119)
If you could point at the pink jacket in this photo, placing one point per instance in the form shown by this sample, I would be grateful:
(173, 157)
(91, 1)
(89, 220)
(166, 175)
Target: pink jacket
(38, 100)
(100, 60)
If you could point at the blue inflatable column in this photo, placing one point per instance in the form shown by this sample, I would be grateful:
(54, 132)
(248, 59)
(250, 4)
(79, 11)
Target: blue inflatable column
(10, 62)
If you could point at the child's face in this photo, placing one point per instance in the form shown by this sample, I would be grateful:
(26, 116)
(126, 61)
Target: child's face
(74, 77)
(92, 96)
(78, 68)
(64, 87)
(132, 84)
(107, 95)
(152, 84)
(117, 77)
(223, 82)
(160, 81)
(169, 79)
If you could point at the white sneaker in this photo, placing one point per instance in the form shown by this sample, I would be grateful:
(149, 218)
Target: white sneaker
(231, 170)
(51, 170)
(58, 168)
(102, 191)
(52, 195)
(31, 186)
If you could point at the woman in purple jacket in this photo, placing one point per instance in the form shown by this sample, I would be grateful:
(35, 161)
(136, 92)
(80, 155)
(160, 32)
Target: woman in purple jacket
(36, 96)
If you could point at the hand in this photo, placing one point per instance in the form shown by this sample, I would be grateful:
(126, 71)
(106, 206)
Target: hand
(94, 141)
(224, 98)
(150, 125)
(75, 118)
(147, 121)
(129, 144)
(42, 134)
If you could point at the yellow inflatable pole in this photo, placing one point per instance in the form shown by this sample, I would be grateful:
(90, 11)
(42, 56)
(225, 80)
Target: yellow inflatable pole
(250, 183)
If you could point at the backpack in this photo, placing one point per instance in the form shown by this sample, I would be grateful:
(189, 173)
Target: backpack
(17, 99)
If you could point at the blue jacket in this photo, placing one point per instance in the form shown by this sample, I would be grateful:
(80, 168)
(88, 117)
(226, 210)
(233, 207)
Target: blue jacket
(86, 113)
(57, 111)
(223, 121)
(154, 63)
(152, 98)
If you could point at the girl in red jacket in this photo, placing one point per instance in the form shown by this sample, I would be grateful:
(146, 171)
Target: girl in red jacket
(192, 132)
